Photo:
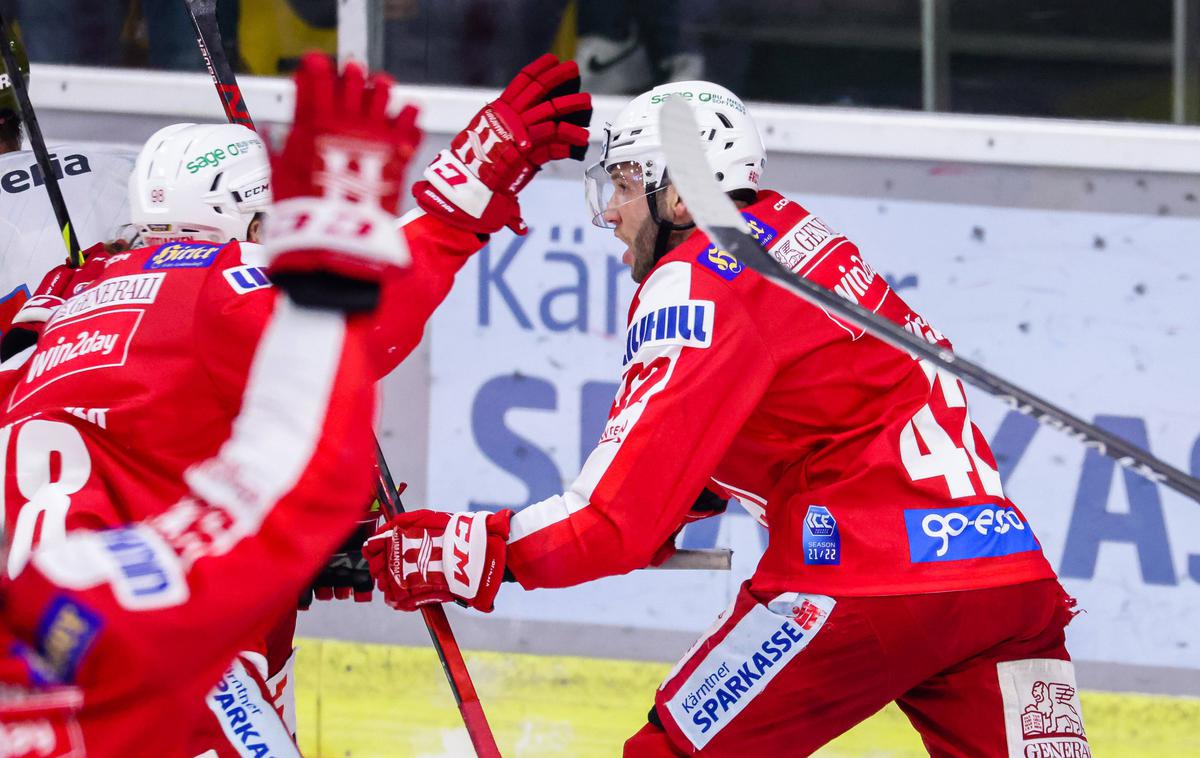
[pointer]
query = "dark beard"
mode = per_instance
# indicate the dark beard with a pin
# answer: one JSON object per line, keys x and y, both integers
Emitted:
{"x": 642, "y": 251}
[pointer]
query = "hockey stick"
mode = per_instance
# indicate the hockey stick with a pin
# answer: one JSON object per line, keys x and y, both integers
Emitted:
{"x": 204, "y": 19}
{"x": 74, "y": 254}
{"x": 208, "y": 38}
{"x": 720, "y": 219}
{"x": 442, "y": 635}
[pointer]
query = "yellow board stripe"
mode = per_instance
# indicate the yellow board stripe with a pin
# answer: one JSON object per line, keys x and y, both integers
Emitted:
{"x": 361, "y": 700}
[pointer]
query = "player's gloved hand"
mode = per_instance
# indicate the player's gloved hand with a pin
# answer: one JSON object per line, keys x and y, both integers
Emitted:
{"x": 331, "y": 238}
{"x": 707, "y": 505}
{"x": 57, "y": 286}
{"x": 540, "y": 117}
{"x": 433, "y": 557}
{"x": 346, "y": 574}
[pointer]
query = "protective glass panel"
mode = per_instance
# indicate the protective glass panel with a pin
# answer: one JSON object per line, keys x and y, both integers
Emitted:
{"x": 265, "y": 37}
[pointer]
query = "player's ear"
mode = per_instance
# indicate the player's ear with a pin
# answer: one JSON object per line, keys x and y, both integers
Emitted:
{"x": 679, "y": 210}
{"x": 254, "y": 231}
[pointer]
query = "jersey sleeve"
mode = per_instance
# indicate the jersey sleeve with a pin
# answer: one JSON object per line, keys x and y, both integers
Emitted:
{"x": 438, "y": 252}
{"x": 695, "y": 367}
{"x": 182, "y": 592}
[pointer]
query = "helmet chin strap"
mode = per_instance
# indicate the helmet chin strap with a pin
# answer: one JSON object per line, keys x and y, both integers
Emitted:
{"x": 664, "y": 227}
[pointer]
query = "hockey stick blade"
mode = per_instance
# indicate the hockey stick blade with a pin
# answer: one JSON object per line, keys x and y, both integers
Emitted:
{"x": 719, "y": 218}
{"x": 719, "y": 559}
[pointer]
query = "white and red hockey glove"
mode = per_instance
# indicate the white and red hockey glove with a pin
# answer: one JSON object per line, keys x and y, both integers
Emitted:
{"x": 332, "y": 237}
{"x": 540, "y": 117}
{"x": 434, "y": 557}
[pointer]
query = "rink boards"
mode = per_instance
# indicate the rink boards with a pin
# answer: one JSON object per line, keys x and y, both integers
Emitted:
{"x": 366, "y": 700}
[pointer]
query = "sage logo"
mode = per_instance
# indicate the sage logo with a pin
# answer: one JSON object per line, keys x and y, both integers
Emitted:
{"x": 976, "y": 531}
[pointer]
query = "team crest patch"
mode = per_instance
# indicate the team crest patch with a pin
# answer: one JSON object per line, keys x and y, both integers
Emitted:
{"x": 762, "y": 232}
{"x": 720, "y": 262}
{"x": 183, "y": 255}
{"x": 1041, "y": 708}
{"x": 65, "y": 634}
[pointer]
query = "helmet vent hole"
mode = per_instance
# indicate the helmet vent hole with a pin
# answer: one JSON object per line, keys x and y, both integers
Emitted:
{"x": 720, "y": 176}
{"x": 216, "y": 180}
{"x": 725, "y": 120}
{"x": 728, "y": 145}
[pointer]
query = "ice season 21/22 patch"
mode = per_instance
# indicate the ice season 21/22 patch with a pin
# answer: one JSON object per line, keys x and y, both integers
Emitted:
{"x": 822, "y": 543}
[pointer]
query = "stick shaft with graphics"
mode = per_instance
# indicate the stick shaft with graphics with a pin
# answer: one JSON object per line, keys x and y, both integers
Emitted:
{"x": 208, "y": 38}
{"x": 74, "y": 255}
{"x": 716, "y": 214}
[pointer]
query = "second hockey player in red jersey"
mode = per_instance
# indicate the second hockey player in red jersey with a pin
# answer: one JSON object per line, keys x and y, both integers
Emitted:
{"x": 143, "y": 357}
{"x": 896, "y": 569}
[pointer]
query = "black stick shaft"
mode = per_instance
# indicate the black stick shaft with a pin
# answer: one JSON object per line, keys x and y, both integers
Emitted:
{"x": 208, "y": 39}
{"x": 747, "y": 250}
{"x": 74, "y": 255}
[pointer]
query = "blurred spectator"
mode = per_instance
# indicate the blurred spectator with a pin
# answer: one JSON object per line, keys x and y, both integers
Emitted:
{"x": 628, "y": 46}
{"x": 273, "y": 34}
{"x": 83, "y": 32}
{"x": 466, "y": 42}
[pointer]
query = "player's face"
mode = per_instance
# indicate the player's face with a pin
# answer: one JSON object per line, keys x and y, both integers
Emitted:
{"x": 628, "y": 214}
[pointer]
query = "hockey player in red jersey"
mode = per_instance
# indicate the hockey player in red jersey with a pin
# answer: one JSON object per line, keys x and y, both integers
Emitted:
{"x": 896, "y": 569}
{"x": 139, "y": 373}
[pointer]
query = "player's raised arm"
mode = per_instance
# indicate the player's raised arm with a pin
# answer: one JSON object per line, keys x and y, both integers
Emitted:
{"x": 169, "y": 593}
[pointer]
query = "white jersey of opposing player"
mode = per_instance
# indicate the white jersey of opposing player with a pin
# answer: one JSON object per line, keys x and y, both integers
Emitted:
{"x": 94, "y": 181}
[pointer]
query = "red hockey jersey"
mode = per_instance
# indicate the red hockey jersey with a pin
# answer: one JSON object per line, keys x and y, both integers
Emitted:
{"x": 140, "y": 373}
{"x": 861, "y": 461}
{"x": 111, "y": 639}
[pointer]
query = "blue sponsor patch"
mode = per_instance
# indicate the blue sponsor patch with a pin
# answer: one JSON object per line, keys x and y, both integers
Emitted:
{"x": 958, "y": 534}
{"x": 64, "y": 636}
{"x": 245, "y": 279}
{"x": 689, "y": 324}
{"x": 183, "y": 255}
{"x": 143, "y": 574}
{"x": 762, "y": 232}
{"x": 821, "y": 542}
{"x": 722, "y": 263}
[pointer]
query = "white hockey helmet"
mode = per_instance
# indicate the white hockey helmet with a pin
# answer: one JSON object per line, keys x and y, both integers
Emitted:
{"x": 633, "y": 147}
{"x": 199, "y": 182}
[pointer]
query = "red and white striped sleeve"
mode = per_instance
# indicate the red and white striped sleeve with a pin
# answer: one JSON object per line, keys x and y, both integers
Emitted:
{"x": 695, "y": 367}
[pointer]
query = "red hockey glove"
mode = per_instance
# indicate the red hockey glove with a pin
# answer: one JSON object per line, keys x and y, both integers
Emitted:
{"x": 540, "y": 117}
{"x": 57, "y": 286}
{"x": 332, "y": 233}
{"x": 434, "y": 557}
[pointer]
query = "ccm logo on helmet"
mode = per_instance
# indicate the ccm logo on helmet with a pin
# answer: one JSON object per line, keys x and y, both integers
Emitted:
{"x": 214, "y": 157}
